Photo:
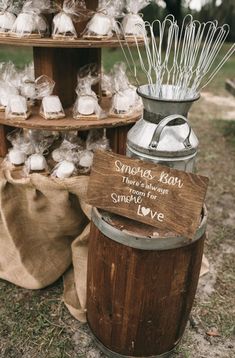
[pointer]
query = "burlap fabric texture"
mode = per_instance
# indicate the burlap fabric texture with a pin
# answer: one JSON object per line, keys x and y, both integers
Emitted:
{"x": 44, "y": 227}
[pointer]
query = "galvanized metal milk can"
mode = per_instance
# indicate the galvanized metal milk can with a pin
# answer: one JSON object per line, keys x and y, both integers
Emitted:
{"x": 164, "y": 134}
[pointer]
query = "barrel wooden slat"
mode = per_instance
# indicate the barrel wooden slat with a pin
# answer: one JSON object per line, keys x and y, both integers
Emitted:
{"x": 139, "y": 301}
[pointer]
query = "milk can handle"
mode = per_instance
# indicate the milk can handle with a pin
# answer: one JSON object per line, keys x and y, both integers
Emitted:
{"x": 158, "y": 131}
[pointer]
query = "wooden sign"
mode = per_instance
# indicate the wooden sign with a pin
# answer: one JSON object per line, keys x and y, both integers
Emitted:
{"x": 150, "y": 193}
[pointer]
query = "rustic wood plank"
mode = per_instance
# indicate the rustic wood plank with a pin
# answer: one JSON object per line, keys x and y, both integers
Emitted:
{"x": 77, "y": 43}
{"x": 3, "y": 141}
{"x": 62, "y": 66}
{"x": 92, "y": 4}
{"x": 139, "y": 301}
{"x": 154, "y": 194}
{"x": 60, "y": 60}
{"x": 68, "y": 123}
{"x": 117, "y": 138}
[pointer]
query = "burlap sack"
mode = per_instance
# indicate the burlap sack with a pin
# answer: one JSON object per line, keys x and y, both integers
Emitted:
{"x": 75, "y": 280}
{"x": 39, "y": 219}
{"x": 43, "y": 229}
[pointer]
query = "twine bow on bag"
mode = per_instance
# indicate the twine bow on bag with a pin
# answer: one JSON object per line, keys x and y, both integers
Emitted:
{"x": 7, "y": 16}
{"x": 86, "y": 103}
{"x": 51, "y": 106}
{"x": 30, "y": 22}
{"x": 72, "y": 12}
{"x": 103, "y": 24}
{"x": 133, "y": 22}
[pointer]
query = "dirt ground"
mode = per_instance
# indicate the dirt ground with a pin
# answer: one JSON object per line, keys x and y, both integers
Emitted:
{"x": 35, "y": 324}
{"x": 210, "y": 332}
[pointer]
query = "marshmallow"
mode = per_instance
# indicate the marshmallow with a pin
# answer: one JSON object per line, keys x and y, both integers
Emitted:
{"x": 86, "y": 159}
{"x": 65, "y": 169}
{"x": 100, "y": 24}
{"x": 25, "y": 23}
{"x": 37, "y": 162}
{"x": 40, "y": 24}
{"x": 5, "y": 92}
{"x": 17, "y": 104}
{"x": 63, "y": 24}
{"x": 51, "y": 104}
{"x": 28, "y": 90}
{"x": 133, "y": 24}
{"x": 131, "y": 94}
{"x": 29, "y": 24}
{"x": 7, "y": 20}
{"x": 17, "y": 157}
{"x": 86, "y": 105}
{"x": 57, "y": 155}
{"x": 121, "y": 103}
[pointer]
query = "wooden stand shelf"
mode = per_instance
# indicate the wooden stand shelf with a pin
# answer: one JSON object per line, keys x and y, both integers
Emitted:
{"x": 68, "y": 123}
{"x": 61, "y": 60}
{"x": 50, "y": 42}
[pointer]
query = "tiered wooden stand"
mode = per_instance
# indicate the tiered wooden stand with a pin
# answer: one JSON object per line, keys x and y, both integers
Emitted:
{"x": 60, "y": 60}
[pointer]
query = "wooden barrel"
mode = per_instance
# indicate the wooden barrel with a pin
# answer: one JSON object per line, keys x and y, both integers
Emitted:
{"x": 141, "y": 285}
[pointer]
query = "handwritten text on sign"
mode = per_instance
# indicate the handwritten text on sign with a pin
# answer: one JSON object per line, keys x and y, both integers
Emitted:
{"x": 154, "y": 194}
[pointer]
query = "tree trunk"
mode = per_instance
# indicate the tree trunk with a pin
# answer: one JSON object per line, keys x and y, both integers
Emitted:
{"x": 174, "y": 7}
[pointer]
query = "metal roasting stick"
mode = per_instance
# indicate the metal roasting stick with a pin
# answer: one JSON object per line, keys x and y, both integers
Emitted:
{"x": 220, "y": 65}
{"x": 127, "y": 53}
{"x": 180, "y": 61}
{"x": 204, "y": 67}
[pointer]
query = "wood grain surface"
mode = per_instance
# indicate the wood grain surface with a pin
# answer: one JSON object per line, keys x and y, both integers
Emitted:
{"x": 138, "y": 302}
{"x": 68, "y": 123}
{"x": 78, "y": 43}
{"x": 60, "y": 60}
{"x": 154, "y": 194}
{"x": 62, "y": 66}
{"x": 117, "y": 137}
{"x": 4, "y": 144}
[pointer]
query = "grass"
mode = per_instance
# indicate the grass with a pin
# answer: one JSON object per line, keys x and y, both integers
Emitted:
{"x": 228, "y": 130}
{"x": 217, "y": 311}
{"x": 34, "y": 322}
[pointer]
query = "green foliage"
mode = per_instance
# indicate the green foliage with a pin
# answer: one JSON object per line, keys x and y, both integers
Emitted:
{"x": 18, "y": 55}
{"x": 224, "y": 13}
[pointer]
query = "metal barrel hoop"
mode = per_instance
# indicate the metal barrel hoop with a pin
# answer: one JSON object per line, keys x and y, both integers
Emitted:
{"x": 141, "y": 242}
